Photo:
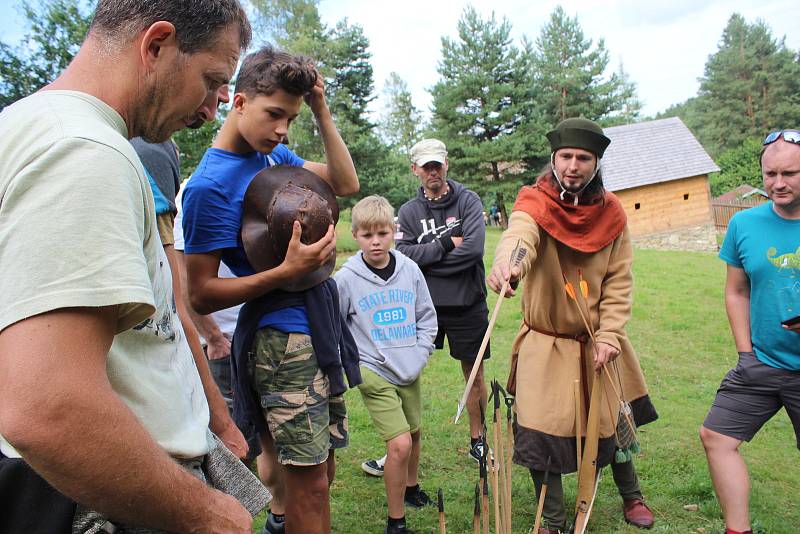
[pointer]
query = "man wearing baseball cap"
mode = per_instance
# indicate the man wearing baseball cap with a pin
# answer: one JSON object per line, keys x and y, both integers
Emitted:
{"x": 570, "y": 224}
{"x": 442, "y": 230}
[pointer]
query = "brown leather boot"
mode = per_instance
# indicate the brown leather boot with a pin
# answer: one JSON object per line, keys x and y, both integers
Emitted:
{"x": 637, "y": 513}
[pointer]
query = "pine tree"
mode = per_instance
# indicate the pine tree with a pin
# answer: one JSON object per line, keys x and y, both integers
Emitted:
{"x": 482, "y": 103}
{"x": 751, "y": 85}
{"x": 401, "y": 122}
{"x": 352, "y": 82}
{"x": 569, "y": 76}
{"x": 628, "y": 104}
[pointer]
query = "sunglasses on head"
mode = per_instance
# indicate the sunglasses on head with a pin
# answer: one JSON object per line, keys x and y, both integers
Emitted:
{"x": 790, "y": 136}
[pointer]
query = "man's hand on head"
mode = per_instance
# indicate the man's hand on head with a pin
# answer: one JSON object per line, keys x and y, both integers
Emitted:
{"x": 316, "y": 97}
{"x": 302, "y": 259}
{"x": 499, "y": 274}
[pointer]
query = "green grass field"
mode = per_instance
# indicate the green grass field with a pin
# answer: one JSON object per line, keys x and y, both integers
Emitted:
{"x": 681, "y": 334}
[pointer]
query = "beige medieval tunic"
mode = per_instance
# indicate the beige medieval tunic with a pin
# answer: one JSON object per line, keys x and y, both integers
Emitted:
{"x": 550, "y": 357}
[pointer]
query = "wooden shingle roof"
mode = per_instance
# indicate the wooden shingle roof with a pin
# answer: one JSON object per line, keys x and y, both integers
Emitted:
{"x": 653, "y": 152}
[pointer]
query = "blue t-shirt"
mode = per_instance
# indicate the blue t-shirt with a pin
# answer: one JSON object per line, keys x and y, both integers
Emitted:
{"x": 212, "y": 216}
{"x": 767, "y": 247}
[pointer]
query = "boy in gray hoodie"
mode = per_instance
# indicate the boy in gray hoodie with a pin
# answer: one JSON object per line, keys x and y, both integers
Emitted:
{"x": 387, "y": 306}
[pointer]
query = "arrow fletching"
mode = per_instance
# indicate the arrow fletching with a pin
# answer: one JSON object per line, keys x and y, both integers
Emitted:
{"x": 584, "y": 285}
{"x": 570, "y": 290}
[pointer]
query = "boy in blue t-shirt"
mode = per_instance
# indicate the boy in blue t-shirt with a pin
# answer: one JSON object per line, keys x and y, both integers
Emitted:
{"x": 387, "y": 306}
{"x": 270, "y": 90}
{"x": 762, "y": 292}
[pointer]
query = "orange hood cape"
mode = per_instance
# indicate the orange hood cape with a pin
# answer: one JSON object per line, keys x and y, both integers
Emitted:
{"x": 588, "y": 227}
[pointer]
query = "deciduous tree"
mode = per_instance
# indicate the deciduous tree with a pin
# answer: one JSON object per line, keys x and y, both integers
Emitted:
{"x": 738, "y": 166}
{"x": 55, "y": 31}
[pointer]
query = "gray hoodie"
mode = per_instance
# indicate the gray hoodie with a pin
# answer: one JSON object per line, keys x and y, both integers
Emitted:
{"x": 392, "y": 321}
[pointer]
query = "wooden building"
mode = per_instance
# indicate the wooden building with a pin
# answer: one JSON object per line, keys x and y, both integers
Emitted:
{"x": 659, "y": 171}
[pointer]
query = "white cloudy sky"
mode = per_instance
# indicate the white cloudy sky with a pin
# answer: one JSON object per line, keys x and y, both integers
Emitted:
{"x": 662, "y": 44}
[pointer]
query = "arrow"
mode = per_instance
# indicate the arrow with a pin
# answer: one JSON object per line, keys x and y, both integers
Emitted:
{"x": 442, "y": 522}
{"x": 516, "y": 257}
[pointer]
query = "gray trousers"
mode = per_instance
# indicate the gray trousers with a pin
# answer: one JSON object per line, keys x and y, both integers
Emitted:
{"x": 554, "y": 513}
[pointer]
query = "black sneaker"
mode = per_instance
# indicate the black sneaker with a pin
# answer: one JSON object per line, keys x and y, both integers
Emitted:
{"x": 402, "y": 529}
{"x": 416, "y": 498}
{"x": 274, "y": 527}
{"x": 476, "y": 451}
{"x": 374, "y": 467}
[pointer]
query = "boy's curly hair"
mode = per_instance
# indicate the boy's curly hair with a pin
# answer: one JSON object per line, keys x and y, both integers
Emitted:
{"x": 267, "y": 70}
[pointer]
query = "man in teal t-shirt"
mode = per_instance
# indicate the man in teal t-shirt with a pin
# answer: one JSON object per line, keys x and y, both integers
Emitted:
{"x": 762, "y": 295}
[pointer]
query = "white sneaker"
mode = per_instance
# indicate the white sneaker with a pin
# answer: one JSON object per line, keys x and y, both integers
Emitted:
{"x": 374, "y": 467}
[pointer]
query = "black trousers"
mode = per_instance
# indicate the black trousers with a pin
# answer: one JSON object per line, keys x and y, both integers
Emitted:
{"x": 29, "y": 504}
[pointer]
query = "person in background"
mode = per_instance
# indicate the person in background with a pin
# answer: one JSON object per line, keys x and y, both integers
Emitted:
{"x": 386, "y": 303}
{"x": 762, "y": 298}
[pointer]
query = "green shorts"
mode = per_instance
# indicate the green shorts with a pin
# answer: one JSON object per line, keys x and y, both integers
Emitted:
{"x": 394, "y": 409}
{"x": 304, "y": 421}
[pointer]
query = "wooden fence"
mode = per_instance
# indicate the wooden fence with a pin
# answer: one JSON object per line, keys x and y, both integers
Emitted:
{"x": 723, "y": 211}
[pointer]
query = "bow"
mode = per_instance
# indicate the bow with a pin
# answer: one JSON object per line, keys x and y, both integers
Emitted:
{"x": 588, "y": 475}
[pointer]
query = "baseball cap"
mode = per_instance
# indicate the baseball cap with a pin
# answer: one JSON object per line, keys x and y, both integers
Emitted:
{"x": 428, "y": 150}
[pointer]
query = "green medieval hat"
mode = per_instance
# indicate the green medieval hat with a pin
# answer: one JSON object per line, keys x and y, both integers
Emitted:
{"x": 579, "y": 133}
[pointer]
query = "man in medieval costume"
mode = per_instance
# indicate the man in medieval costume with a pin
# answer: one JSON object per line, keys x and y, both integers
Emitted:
{"x": 568, "y": 223}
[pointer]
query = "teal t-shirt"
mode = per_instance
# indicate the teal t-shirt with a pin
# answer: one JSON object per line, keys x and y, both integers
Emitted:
{"x": 161, "y": 202}
{"x": 767, "y": 247}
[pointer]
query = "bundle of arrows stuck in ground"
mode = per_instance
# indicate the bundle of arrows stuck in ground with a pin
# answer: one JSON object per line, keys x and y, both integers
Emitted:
{"x": 494, "y": 468}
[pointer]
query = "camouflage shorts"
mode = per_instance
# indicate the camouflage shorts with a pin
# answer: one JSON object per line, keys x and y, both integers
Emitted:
{"x": 304, "y": 421}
